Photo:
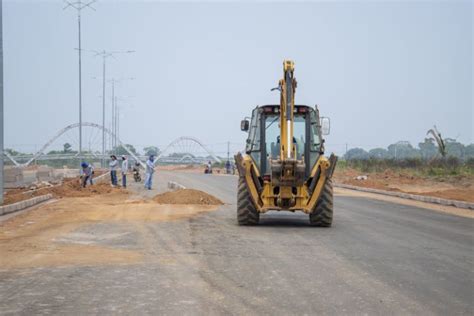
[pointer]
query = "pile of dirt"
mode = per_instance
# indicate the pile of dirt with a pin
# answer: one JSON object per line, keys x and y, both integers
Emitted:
{"x": 187, "y": 196}
{"x": 69, "y": 188}
{"x": 73, "y": 188}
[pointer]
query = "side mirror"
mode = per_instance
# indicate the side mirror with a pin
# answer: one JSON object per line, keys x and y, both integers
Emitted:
{"x": 325, "y": 123}
{"x": 244, "y": 125}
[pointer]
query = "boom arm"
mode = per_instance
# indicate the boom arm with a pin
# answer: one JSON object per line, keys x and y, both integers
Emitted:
{"x": 287, "y": 104}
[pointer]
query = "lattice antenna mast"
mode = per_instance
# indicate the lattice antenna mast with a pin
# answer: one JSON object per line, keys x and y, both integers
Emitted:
{"x": 79, "y": 6}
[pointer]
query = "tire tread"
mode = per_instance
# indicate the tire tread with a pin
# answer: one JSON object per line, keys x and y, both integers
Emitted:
{"x": 322, "y": 215}
{"x": 247, "y": 213}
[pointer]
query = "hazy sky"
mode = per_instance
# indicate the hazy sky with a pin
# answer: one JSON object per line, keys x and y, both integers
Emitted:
{"x": 383, "y": 71}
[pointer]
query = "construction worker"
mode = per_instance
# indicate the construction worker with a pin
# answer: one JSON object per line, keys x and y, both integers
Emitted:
{"x": 113, "y": 170}
{"x": 227, "y": 167}
{"x": 150, "y": 169}
{"x": 86, "y": 173}
{"x": 124, "y": 171}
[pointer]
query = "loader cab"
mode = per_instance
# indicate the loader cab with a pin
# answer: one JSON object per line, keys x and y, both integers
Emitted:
{"x": 263, "y": 142}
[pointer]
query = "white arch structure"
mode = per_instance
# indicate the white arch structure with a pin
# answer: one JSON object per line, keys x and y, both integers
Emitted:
{"x": 66, "y": 129}
{"x": 187, "y": 138}
{"x": 100, "y": 127}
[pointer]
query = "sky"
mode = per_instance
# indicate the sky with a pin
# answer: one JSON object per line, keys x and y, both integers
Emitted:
{"x": 382, "y": 71}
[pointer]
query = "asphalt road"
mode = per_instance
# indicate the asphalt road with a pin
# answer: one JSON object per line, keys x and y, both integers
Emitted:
{"x": 378, "y": 258}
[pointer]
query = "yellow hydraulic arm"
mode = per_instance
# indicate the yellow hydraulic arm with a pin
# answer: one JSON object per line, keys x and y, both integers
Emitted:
{"x": 287, "y": 87}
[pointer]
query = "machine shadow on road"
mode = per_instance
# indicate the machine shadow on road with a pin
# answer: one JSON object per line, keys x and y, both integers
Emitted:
{"x": 284, "y": 220}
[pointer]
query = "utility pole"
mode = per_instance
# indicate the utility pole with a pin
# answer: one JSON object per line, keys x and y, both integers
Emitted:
{"x": 118, "y": 120}
{"x": 115, "y": 122}
{"x": 106, "y": 54}
{"x": 1, "y": 102}
{"x": 228, "y": 151}
{"x": 115, "y": 109}
{"x": 79, "y": 5}
{"x": 112, "y": 140}
{"x": 104, "y": 57}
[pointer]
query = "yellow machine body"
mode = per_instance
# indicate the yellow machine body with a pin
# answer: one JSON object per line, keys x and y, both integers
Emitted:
{"x": 292, "y": 177}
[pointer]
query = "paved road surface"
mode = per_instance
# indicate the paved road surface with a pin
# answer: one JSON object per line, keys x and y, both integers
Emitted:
{"x": 378, "y": 258}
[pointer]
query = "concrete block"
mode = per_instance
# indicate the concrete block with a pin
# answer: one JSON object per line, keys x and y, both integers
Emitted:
{"x": 175, "y": 186}
{"x": 7, "y": 209}
{"x": 12, "y": 175}
{"x": 44, "y": 173}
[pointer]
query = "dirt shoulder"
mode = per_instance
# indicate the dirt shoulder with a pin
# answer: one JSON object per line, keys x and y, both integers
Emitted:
{"x": 452, "y": 210}
{"x": 68, "y": 188}
{"x": 77, "y": 230}
{"x": 459, "y": 188}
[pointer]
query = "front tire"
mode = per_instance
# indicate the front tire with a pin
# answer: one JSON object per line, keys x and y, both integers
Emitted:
{"x": 247, "y": 213}
{"x": 323, "y": 212}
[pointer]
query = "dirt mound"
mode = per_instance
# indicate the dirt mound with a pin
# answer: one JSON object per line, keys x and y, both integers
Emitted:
{"x": 73, "y": 188}
{"x": 69, "y": 188}
{"x": 187, "y": 196}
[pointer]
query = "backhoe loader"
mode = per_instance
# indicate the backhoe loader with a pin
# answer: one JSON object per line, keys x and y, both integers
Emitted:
{"x": 284, "y": 167}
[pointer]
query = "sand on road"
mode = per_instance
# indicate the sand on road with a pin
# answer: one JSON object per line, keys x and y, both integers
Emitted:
{"x": 42, "y": 236}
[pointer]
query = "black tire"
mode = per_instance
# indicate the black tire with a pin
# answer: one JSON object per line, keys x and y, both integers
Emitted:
{"x": 322, "y": 214}
{"x": 247, "y": 213}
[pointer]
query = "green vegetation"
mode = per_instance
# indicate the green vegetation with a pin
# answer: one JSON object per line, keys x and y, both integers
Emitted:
{"x": 426, "y": 150}
{"x": 437, "y": 168}
{"x": 428, "y": 160}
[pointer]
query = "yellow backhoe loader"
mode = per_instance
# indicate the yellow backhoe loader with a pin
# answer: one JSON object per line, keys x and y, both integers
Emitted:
{"x": 284, "y": 167}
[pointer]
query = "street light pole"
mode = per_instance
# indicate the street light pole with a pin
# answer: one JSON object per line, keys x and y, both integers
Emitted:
{"x": 115, "y": 110}
{"x": 1, "y": 102}
{"x": 105, "y": 54}
{"x": 113, "y": 115}
{"x": 79, "y": 5}
{"x": 103, "y": 109}
{"x": 80, "y": 83}
{"x": 118, "y": 119}
{"x": 115, "y": 121}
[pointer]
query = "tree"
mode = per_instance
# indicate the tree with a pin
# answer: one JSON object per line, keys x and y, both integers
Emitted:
{"x": 12, "y": 152}
{"x": 181, "y": 155}
{"x": 120, "y": 151}
{"x": 469, "y": 151}
{"x": 378, "y": 153}
{"x": 356, "y": 153}
{"x": 151, "y": 150}
{"x": 454, "y": 148}
{"x": 403, "y": 150}
{"x": 428, "y": 149}
{"x": 439, "y": 139}
{"x": 67, "y": 148}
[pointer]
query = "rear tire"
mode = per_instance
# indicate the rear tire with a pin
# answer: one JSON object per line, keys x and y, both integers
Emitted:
{"x": 323, "y": 212}
{"x": 247, "y": 213}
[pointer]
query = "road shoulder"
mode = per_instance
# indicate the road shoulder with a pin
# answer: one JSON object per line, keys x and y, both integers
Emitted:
{"x": 430, "y": 206}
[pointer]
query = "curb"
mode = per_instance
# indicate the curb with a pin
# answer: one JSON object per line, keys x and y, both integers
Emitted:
{"x": 18, "y": 206}
{"x": 175, "y": 186}
{"x": 101, "y": 178}
{"x": 421, "y": 198}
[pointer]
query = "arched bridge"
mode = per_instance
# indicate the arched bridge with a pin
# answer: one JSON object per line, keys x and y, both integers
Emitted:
{"x": 185, "y": 149}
